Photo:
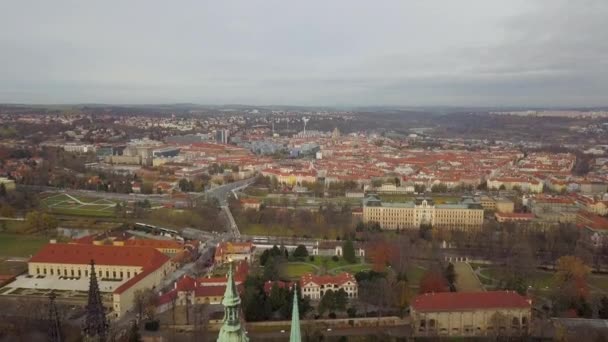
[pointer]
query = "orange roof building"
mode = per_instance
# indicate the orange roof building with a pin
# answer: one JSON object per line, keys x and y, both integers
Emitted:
{"x": 473, "y": 314}
{"x": 121, "y": 270}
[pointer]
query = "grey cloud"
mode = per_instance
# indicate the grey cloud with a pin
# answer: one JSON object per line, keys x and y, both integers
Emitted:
{"x": 482, "y": 52}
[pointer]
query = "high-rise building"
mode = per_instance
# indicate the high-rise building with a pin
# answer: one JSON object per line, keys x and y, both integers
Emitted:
{"x": 221, "y": 136}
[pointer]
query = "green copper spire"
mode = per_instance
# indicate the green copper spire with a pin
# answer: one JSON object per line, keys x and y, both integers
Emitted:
{"x": 231, "y": 330}
{"x": 295, "y": 335}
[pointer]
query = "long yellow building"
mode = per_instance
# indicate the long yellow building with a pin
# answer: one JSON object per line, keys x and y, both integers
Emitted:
{"x": 422, "y": 211}
{"x": 121, "y": 270}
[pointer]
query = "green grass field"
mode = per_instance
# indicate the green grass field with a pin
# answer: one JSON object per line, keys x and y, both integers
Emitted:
{"x": 14, "y": 245}
{"x": 353, "y": 269}
{"x": 414, "y": 274}
{"x": 599, "y": 281}
{"x": 64, "y": 204}
{"x": 296, "y": 270}
{"x": 539, "y": 279}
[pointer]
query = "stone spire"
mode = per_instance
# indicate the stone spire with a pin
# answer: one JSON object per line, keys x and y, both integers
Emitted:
{"x": 295, "y": 335}
{"x": 55, "y": 332}
{"x": 231, "y": 330}
{"x": 95, "y": 323}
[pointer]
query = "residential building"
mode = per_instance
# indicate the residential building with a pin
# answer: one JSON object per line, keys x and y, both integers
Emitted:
{"x": 205, "y": 290}
{"x": 594, "y": 228}
{"x": 526, "y": 184}
{"x": 233, "y": 251}
{"x": 514, "y": 217}
{"x": 314, "y": 287}
{"x": 222, "y": 136}
{"x": 490, "y": 314}
{"x": 251, "y": 203}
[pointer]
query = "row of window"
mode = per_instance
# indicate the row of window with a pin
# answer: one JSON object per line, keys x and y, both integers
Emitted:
{"x": 78, "y": 273}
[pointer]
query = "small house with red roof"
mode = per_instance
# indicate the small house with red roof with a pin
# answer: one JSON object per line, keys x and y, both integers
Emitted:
{"x": 491, "y": 313}
{"x": 204, "y": 290}
{"x": 251, "y": 203}
{"x": 233, "y": 251}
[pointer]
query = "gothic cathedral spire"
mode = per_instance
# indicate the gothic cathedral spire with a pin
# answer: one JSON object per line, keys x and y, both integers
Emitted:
{"x": 231, "y": 330}
{"x": 95, "y": 324}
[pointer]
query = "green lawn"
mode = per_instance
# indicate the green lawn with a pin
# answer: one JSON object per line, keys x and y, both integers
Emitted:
{"x": 599, "y": 281}
{"x": 63, "y": 204}
{"x": 328, "y": 263}
{"x": 539, "y": 279}
{"x": 353, "y": 269}
{"x": 414, "y": 274}
{"x": 14, "y": 245}
{"x": 296, "y": 270}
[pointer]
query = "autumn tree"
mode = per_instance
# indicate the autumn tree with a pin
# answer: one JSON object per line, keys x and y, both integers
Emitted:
{"x": 433, "y": 281}
{"x": 381, "y": 253}
{"x": 572, "y": 274}
{"x": 571, "y": 287}
{"x": 36, "y": 221}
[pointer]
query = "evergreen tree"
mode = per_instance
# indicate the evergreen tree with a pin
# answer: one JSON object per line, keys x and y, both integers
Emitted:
{"x": 55, "y": 331}
{"x": 450, "y": 276}
{"x": 300, "y": 252}
{"x": 278, "y": 297}
{"x": 348, "y": 250}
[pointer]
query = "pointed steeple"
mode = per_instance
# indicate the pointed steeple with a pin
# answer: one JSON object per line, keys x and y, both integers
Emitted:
{"x": 231, "y": 330}
{"x": 295, "y": 335}
{"x": 95, "y": 323}
{"x": 55, "y": 332}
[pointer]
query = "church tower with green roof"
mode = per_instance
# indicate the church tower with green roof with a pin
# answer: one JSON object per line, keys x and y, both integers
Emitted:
{"x": 295, "y": 335}
{"x": 231, "y": 330}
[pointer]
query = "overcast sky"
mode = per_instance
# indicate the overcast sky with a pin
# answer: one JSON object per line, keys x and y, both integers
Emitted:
{"x": 313, "y": 52}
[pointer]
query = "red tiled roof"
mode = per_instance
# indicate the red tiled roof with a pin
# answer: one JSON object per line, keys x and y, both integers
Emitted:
{"x": 185, "y": 283}
{"x": 327, "y": 279}
{"x": 451, "y": 301}
{"x": 103, "y": 255}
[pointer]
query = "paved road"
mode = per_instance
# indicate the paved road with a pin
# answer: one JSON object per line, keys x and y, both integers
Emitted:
{"x": 466, "y": 279}
{"x": 222, "y": 192}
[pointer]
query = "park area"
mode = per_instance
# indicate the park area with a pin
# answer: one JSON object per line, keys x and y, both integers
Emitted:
{"x": 66, "y": 204}
{"x": 321, "y": 265}
{"x": 541, "y": 280}
{"x": 16, "y": 245}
